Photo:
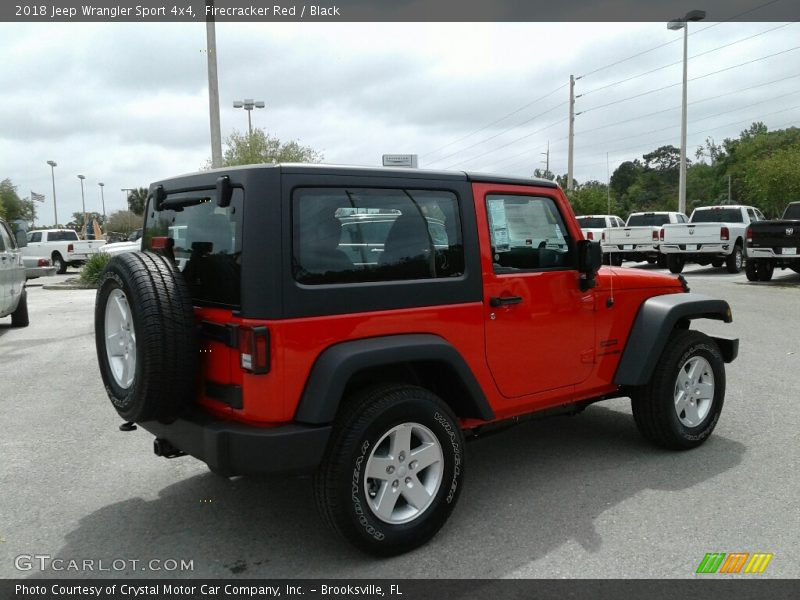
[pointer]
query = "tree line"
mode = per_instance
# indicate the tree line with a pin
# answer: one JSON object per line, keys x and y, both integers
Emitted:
{"x": 759, "y": 168}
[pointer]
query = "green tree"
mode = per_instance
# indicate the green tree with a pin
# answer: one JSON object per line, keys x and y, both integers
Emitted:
{"x": 590, "y": 198}
{"x": 124, "y": 222}
{"x": 137, "y": 198}
{"x": 260, "y": 147}
{"x": 15, "y": 208}
{"x": 774, "y": 180}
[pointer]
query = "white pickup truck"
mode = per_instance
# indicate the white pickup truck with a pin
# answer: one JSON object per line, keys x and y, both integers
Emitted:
{"x": 714, "y": 235}
{"x": 61, "y": 246}
{"x": 638, "y": 239}
{"x": 594, "y": 226}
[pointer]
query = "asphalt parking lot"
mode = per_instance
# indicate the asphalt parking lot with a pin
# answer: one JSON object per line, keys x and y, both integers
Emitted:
{"x": 581, "y": 497}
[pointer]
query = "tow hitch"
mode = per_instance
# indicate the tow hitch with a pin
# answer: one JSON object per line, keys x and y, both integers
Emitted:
{"x": 164, "y": 448}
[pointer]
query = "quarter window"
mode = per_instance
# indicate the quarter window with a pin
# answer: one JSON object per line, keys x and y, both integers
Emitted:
{"x": 351, "y": 235}
{"x": 527, "y": 233}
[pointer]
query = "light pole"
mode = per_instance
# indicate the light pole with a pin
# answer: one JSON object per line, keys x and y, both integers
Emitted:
{"x": 53, "y": 164}
{"x": 83, "y": 204}
{"x": 103, "y": 200}
{"x": 248, "y": 104}
{"x": 128, "y": 191}
{"x": 674, "y": 25}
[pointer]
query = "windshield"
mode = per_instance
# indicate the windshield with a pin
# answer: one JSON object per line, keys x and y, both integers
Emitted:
{"x": 717, "y": 215}
{"x": 592, "y": 222}
{"x": 648, "y": 219}
{"x": 205, "y": 242}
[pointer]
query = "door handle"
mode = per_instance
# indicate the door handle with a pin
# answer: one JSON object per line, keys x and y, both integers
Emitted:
{"x": 504, "y": 300}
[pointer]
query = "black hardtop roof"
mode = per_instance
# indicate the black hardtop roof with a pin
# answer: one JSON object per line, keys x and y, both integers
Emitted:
{"x": 359, "y": 171}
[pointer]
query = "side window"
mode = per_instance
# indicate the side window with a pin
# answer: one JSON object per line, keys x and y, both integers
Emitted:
{"x": 751, "y": 215}
{"x": 36, "y": 236}
{"x": 681, "y": 219}
{"x": 527, "y": 232}
{"x": 352, "y": 235}
{"x": 760, "y": 215}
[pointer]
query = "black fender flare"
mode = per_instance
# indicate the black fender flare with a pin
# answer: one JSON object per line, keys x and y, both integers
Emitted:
{"x": 336, "y": 365}
{"x": 654, "y": 322}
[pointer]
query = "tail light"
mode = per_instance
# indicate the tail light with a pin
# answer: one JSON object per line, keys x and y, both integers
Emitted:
{"x": 254, "y": 354}
{"x": 603, "y": 236}
{"x": 43, "y": 262}
{"x": 749, "y": 235}
{"x": 661, "y": 235}
{"x": 70, "y": 248}
{"x": 589, "y": 235}
{"x": 724, "y": 234}
{"x": 655, "y": 235}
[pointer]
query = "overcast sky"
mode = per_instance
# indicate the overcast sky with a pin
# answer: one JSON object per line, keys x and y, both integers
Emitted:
{"x": 127, "y": 103}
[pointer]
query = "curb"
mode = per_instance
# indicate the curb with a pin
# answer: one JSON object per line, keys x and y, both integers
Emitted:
{"x": 69, "y": 285}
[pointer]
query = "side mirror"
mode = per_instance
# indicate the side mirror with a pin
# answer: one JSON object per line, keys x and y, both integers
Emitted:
{"x": 590, "y": 259}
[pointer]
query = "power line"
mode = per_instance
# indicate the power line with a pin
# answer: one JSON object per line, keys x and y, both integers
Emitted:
{"x": 664, "y": 140}
{"x": 547, "y": 95}
{"x": 468, "y": 160}
{"x": 625, "y": 121}
{"x": 479, "y": 142}
{"x": 691, "y": 79}
{"x": 554, "y": 143}
{"x": 631, "y": 78}
{"x": 677, "y": 39}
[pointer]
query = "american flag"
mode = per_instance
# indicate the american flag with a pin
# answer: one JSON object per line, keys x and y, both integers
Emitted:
{"x": 37, "y": 197}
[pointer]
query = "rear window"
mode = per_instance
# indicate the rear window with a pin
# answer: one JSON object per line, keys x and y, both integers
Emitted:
{"x": 647, "y": 220}
{"x": 62, "y": 236}
{"x": 792, "y": 212}
{"x": 717, "y": 215}
{"x": 351, "y": 235}
{"x": 205, "y": 242}
{"x": 592, "y": 222}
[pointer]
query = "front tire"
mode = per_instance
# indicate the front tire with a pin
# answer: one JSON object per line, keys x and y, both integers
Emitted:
{"x": 393, "y": 469}
{"x": 675, "y": 263}
{"x": 680, "y": 406}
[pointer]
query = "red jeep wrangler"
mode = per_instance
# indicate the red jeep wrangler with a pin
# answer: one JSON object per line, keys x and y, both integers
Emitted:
{"x": 355, "y": 322}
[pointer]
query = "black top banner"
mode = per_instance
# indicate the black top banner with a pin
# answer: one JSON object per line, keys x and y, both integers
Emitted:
{"x": 397, "y": 10}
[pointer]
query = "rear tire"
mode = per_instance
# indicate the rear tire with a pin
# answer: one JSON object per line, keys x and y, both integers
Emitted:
{"x": 733, "y": 264}
{"x": 675, "y": 263}
{"x": 765, "y": 269}
{"x": 615, "y": 259}
{"x": 717, "y": 262}
{"x": 680, "y": 406}
{"x": 19, "y": 318}
{"x": 661, "y": 261}
{"x": 145, "y": 337}
{"x": 393, "y": 469}
{"x": 59, "y": 263}
{"x": 751, "y": 270}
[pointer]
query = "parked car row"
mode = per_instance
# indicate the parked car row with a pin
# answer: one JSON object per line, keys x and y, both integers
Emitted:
{"x": 722, "y": 236}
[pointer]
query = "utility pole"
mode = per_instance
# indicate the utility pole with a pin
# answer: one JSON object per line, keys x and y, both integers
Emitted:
{"x": 729, "y": 188}
{"x": 213, "y": 87}
{"x": 608, "y": 185}
{"x": 53, "y": 164}
{"x": 547, "y": 160}
{"x": 571, "y": 130}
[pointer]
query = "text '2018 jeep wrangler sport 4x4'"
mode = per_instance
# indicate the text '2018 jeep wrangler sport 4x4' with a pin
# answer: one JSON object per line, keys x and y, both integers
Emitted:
{"x": 354, "y": 322}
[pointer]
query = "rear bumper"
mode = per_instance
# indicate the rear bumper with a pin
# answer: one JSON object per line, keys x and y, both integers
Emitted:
{"x": 631, "y": 248}
{"x": 701, "y": 248}
{"x": 231, "y": 448}
{"x": 770, "y": 253}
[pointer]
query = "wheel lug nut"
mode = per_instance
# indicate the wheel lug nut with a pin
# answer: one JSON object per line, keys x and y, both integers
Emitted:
{"x": 402, "y": 457}
{"x": 412, "y": 465}
{"x": 390, "y": 469}
{"x": 408, "y": 480}
{"x": 395, "y": 483}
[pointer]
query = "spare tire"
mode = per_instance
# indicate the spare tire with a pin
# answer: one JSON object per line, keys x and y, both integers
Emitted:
{"x": 145, "y": 337}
